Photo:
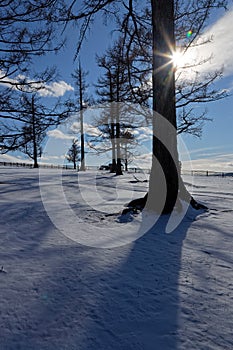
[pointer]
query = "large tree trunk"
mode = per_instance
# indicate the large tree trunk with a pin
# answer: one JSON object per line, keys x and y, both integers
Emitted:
{"x": 166, "y": 187}
{"x": 164, "y": 179}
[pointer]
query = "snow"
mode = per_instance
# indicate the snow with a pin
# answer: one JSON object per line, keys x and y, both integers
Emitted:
{"x": 158, "y": 291}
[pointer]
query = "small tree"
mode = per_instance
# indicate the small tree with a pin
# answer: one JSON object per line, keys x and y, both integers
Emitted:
{"x": 128, "y": 143}
{"x": 73, "y": 155}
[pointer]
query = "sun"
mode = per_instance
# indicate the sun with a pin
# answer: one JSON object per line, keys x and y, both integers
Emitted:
{"x": 183, "y": 58}
{"x": 179, "y": 60}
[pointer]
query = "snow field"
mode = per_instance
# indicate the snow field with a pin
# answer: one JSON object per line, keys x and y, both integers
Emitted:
{"x": 160, "y": 291}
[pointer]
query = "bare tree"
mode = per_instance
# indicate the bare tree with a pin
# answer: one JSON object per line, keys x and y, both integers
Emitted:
{"x": 128, "y": 144}
{"x": 33, "y": 132}
{"x": 73, "y": 154}
{"x": 26, "y": 121}
{"x": 26, "y": 31}
{"x": 79, "y": 76}
{"x": 105, "y": 141}
{"x": 113, "y": 87}
{"x": 105, "y": 89}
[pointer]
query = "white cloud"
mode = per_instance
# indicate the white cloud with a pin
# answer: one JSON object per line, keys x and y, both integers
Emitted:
{"x": 88, "y": 129}
{"x": 205, "y": 151}
{"x": 13, "y": 159}
{"x": 145, "y": 130}
{"x": 58, "y": 134}
{"x": 221, "y": 163}
{"x": 55, "y": 89}
{"x": 142, "y": 133}
{"x": 143, "y": 161}
{"x": 220, "y": 48}
{"x": 50, "y": 158}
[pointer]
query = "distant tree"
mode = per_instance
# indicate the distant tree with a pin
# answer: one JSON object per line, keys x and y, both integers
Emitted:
{"x": 26, "y": 121}
{"x": 115, "y": 90}
{"x": 105, "y": 92}
{"x": 73, "y": 155}
{"x": 79, "y": 76}
{"x": 113, "y": 87}
{"x": 105, "y": 141}
{"x": 33, "y": 138}
{"x": 128, "y": 143}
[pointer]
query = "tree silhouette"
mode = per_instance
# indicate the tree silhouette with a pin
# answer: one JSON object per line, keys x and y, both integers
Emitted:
{"x": 79, "y": 76}
{"x": 73, "y": 155}
{"x": 27, "y": 120}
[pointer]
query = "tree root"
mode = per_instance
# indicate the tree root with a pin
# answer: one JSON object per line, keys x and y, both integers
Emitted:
{"x": 139, "y": 204}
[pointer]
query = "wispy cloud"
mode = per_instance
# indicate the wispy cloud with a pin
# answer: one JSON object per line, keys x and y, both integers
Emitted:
{"x": 207, "y": 151}
{"x": 53, "y": 89}
{"x": 58, "y": 134}
{"x": 89, "y": 129}
{"x": 143, "y": 161}
{"x": 219, "y": 48}
{"x": 13, "y": 159}
{"x": 221, "y": 45}
{"x": 221, "y": 163}
{"x": 52, "y": 159}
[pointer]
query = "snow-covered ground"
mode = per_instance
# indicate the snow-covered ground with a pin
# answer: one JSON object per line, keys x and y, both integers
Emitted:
{"x": 157, "y": 292}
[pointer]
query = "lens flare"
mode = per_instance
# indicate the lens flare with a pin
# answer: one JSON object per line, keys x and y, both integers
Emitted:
{"x": 178, "y": 59}
{"x": 189, "y": 34}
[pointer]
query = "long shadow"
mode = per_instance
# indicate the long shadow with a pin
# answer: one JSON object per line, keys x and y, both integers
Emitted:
{"x": 84, "y": 298}
{"x": 79, "y": 298}
{"x": 143, "y": 297}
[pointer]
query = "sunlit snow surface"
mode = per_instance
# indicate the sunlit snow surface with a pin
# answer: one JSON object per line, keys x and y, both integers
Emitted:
{"x": 160, "y": 291}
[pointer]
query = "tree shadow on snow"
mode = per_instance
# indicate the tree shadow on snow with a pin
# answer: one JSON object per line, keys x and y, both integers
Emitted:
{"x": 120, "y": 299}
{"x": 139, "y": 308}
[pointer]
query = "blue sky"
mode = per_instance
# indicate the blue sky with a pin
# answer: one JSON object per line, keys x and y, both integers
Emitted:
{"x": 214, "y": 150}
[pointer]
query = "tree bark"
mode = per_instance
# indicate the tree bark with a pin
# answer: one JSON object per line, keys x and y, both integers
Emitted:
{"x": 35, "y": 153}
{"x": 164, "y": 178}
{"x": 82, "y": 164}
{"x": 118, "y": 129}
{"x": 166, "y": 187}
{"x": 113, "y": 166}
